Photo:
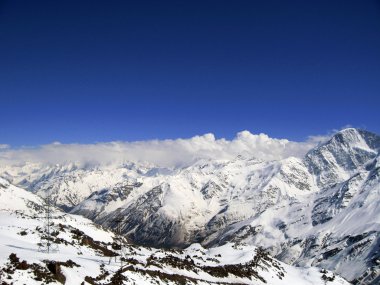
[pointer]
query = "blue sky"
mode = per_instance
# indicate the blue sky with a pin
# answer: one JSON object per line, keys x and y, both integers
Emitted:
{"x": 90, "y": 71}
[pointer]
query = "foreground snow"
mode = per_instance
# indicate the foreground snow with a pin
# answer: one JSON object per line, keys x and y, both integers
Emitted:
{"x": 227, "y": 264}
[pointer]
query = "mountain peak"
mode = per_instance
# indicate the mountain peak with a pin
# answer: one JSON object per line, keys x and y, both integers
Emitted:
{"x": 338, "y": 158}
{"x": 359, "y": 138}
{"x": 347, "y": 136}
{"x": 349, "y": 133}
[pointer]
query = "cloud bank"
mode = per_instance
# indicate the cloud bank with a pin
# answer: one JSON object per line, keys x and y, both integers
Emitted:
{"x": 164, "y": 153}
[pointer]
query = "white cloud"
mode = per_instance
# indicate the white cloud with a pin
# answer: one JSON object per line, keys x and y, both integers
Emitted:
{"x": 4, "y": 146}
{"x": 165, "y": 153}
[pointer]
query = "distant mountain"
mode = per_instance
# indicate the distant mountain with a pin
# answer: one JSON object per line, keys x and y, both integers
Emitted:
{"x": 320, "y": 210}
{"x": 70, "y": 184}
{"x": 87, "y": 254}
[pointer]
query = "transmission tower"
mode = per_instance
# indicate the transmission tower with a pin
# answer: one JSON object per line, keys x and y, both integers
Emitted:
{"x": 119, "y": 240}
{"x": 46, "y": 243}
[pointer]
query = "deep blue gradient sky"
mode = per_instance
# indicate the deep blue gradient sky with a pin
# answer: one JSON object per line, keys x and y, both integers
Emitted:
{"x": 88, "y": 71}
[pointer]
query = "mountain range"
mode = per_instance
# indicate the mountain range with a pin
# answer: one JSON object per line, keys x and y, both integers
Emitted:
{"x": 320, "y": 210}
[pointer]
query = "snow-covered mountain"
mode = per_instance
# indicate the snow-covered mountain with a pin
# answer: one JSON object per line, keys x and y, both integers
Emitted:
{"x": 87, "y": 254}
{"x": 70, "y": 184}
{"x": 320, "y": 210}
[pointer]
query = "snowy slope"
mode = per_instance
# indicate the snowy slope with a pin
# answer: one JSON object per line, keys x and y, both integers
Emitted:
{"x": 12, "y": 199}
{"x": 85, "y": 251}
